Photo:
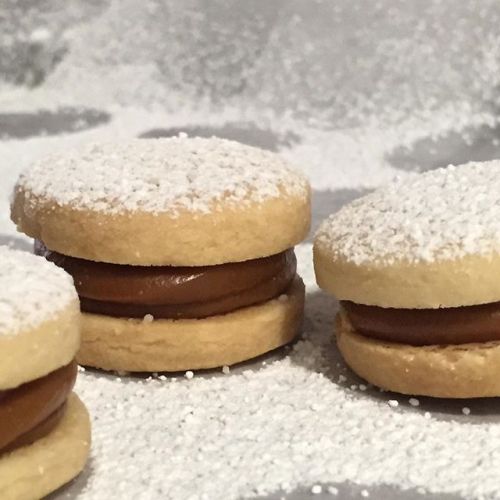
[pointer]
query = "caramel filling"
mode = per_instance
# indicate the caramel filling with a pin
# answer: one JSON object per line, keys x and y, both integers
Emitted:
{"x": 38, "y": 432}
{"x": 175, "y": 292}
{"x": 418, "y": 327}
{"x": 32, "y": 410}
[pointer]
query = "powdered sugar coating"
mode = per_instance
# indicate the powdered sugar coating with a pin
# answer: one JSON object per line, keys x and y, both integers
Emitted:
{"x": 440, "y": 215}
{"x": 163, "y": 175}
{"x": 32, "y": 290}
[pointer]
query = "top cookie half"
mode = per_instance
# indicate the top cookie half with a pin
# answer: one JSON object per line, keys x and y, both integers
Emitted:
{"x": 178, "y": 201}
{"x": 426, "y": 242}
{"x": 39, "y": 318}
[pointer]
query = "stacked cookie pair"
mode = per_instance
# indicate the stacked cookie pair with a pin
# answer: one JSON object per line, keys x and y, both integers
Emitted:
{"x": 415, "y": 267}
{"x": 45, "y": 428}
{"x": 181, "y": 249}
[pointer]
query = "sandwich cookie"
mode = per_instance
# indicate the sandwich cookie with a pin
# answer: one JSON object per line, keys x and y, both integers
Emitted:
{"x": 181, "y": 249}
{"x": 44, "y": 427}
{"x": 415, "y": 267}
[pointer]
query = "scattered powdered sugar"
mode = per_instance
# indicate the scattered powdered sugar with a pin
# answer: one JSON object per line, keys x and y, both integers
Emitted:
{"x": 439, "y": 215}
{"x": 157, "y": 175}
{"x": 32, "y": 290}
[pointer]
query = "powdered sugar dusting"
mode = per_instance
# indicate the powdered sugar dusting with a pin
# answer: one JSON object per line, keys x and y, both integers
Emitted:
{"x": 439, "y": 215}
{"x": 32, "y": 291}
{"x": 157, "y": 175}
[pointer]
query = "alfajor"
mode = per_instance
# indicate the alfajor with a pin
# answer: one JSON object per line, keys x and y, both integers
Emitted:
{"x": 44, "y": 427}
{"x": 415, "y": 267}
{"x": 181, "y": 248}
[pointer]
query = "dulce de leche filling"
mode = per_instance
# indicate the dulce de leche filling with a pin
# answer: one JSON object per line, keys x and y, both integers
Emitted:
{"x": 32, "y": 410}
{"x": 454, "y": 325}
{"x": 175, "y": 292}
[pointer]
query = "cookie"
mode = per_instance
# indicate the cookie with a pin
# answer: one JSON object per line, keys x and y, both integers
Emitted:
{"x": 173, "y": 236}
{"x": 45, "y": 431}
{"x": 414, "y": 266}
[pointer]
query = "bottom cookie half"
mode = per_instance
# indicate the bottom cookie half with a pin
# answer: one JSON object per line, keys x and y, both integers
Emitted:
{"x": 445, "y": 371}
{"x": 189, "y": 344}
{"x": 34, "y": 471}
